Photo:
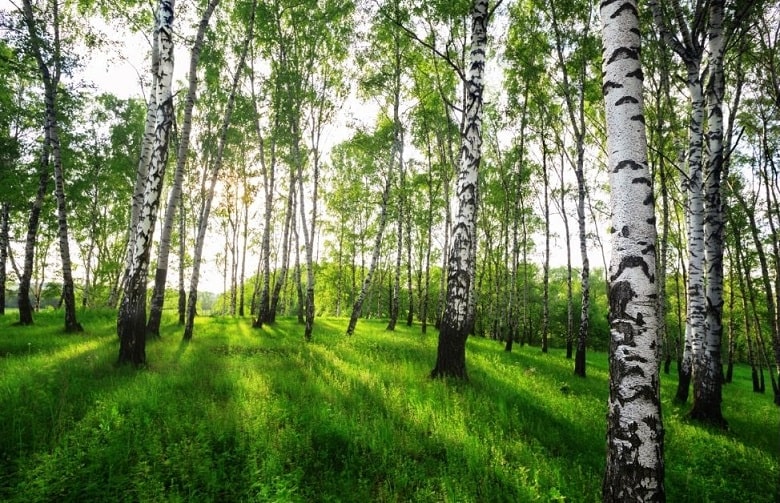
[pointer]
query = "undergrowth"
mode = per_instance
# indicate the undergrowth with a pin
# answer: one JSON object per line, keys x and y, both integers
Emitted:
{"x": 240, "y": 414}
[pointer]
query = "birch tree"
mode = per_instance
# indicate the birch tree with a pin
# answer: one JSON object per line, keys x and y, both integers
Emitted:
{"x": 163, "y": 251}
{"x": 51, "y": 72}
{"x": 131, "y": 322}
{"x": 455, "y": 324}
{"x": 212, "y": 176}
{"x": 634, "y": 469}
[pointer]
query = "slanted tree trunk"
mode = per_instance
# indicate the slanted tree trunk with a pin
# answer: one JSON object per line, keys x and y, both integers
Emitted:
{"x": 455, "y": 323}
{"x": 131, "y": 322}
{"x": 163, "y": 251}
{"x": 142, "y": 173}
{"x": 357, "y": 307}
{"x": 192, "y": 302}
{"x": 635, "y": 464}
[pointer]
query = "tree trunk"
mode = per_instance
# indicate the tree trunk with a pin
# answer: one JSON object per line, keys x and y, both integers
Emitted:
{"x": 182, "y": 304}
{"x": 24, "y": 302}
{"x": 635, "y": 465}
{"x": 357, "y": 307}
{"x": 206, "y": 207}
{"x": 451, "y": 353}
{"x": 141, "y": 173}
{"x": 708, "y": 373}
{"x": 131, "y": 322}
{"x": 286, "y": 238}
{"x": 4, "y": 215}
{"x": 546, "y": 265}
{"x": 163, "y": 251}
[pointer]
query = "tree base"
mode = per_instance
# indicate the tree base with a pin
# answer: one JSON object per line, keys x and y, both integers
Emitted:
{"x": 709, "y": 415}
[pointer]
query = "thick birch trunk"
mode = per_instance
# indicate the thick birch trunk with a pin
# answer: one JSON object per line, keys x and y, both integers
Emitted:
{"x": 131, "y": 322}
{"x": 163, "y": 251}
{"x": 451, "y": 353}
{"x": 708, "y": 373}
{"x": 635, "y": 466}
{"x": 147, "y": 145}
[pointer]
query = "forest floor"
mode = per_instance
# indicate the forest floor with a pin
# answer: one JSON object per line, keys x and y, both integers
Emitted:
{"x": 240, "y": 414}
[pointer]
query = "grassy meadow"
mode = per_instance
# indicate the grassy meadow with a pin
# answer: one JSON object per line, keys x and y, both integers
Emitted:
{"x": 241, "y": 414}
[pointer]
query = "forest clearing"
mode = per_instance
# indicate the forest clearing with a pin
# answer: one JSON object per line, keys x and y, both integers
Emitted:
{"x": 240, "y": 414}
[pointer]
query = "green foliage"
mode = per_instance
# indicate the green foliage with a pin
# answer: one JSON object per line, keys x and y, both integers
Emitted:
{"x": 246, "y": 415}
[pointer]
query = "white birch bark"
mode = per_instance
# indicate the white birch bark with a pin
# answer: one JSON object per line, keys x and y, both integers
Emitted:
{"x": 689, "y": 50}
{"x": 451, "y": 353}
{"x": 707, "y": 373}
{"x": 147, "y": 144}
{"x": 163, "y": 251}
{"x": 634, "y": 468}
{"x": 131, "y": 323}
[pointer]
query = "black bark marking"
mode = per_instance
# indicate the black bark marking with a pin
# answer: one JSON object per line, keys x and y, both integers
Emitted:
{"x": 626, "y": 99}
{"x": 610, "y": 85}
{"x": 630, "y": 262}
{"x": 638, "y": 117}
{"x": 651, "y": 220}
{"x": 627, "y": 330}
{"x": 625, "y": 231}
{"x": 625, "y": 7}
{"x": 642, "y": 180}
{"x": 649, "y": 199}
{"x": 628, "y": 163}
{"x": 620, "y": 294}
{"x": 622, "y": 53}
{"x": 636, "y": 74}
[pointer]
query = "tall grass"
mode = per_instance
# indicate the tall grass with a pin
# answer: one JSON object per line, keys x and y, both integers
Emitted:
{"x": 257, "y": 415}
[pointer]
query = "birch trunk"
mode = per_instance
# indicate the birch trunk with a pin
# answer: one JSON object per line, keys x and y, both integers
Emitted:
{"x": 634, "y": 467}
{"x": 357, "y": 307}
{"x": 192, "y": 302}
{"x": 707, "y": 371}
{"x": 131, "y": 322}
{"x": 4, "y": 215}
{"x": 147, "y": 144}
{"x": 577, "y": 120}
{"x": 24, "y": 302}
{"x": 51, "y": 79}
{"x": 182, "y": 304}
{"x": 689, "y": 50}
{"x": 546, "y": 265}
{"x": 286, "y": 238}
{"x": 451, "y": 352}
{"x": 163, "y": 251}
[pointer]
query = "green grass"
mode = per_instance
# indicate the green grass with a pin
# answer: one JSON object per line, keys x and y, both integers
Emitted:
{"x": 247, "y": 415}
